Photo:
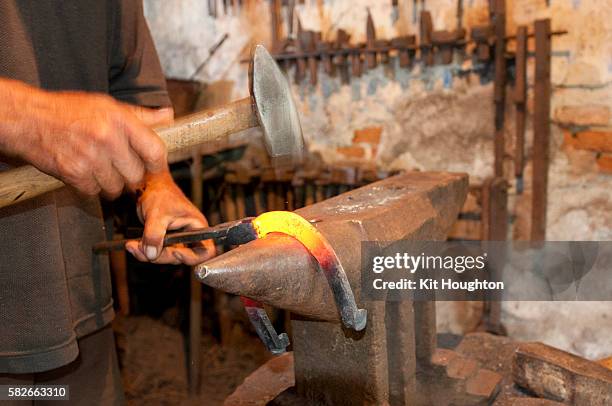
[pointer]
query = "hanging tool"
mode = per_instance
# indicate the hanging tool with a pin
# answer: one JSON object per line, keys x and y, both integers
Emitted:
{"x": 426, "y": 29}
{"x": 415, "y": 11}
{"x": 308, "y": 43}
{"x": 342, "y": 43}
{"x": 290, "y": 14}
{"x": 300, "y": 63}
{"x": 356, "y": 61}
{"x": 212, "y": 8}
{"x": 445, "y": 42}
{"x": 484, "y": 37}
{"x": 405, "y": 46}
{"x": 323, "y": 48}
{"x": 459, "y": 14}
{"x": 270, "y": 107}
{"x": 370, "y": 56}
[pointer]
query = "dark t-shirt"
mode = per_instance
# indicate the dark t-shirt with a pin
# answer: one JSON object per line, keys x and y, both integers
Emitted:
{"x": 52, "y": 290}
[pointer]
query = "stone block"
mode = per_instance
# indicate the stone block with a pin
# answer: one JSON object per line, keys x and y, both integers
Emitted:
{"x": 584, "y": 115}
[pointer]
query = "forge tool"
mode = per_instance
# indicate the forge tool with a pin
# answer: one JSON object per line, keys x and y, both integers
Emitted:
{"x": 269, "y": 106}
{"x": 293, "y": 225}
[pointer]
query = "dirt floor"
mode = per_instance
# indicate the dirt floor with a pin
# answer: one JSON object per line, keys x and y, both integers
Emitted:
{"x": 152, "y": 354}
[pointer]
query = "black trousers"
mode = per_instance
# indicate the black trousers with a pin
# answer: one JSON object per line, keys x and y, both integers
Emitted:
{"x": 94, "y": 377}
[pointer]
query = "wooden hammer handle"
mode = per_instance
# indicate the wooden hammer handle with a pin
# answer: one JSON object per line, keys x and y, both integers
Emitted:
{"x": 25, "y": 182}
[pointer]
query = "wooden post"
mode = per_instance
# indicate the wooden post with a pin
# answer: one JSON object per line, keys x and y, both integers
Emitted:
{"x": 195, "y": 302}
{"x": 118, "y": 263}
{"x": 494, "y": 228}
{"x": 499, "y": 21}
{"x": 520, "y": 100}
{"x": 541, "y": 129}
{"x": 276, "y": 20}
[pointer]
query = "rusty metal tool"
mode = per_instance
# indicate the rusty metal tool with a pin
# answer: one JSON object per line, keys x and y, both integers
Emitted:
{"x": 231, "y": 233}
{"x": 308, "y": 43}
{"x": 323, "y": 48}
{"x": 484, "y": 37}
{"x": 445, "y": 42}
{"x": 340, "y": 60}
{"x": 561, "y": 376}
{"x": 356, "y": 62}
{"x": 290, "y": 15}
{"x": 270, "y": 107}
{"x": 520, "y": 102}
{"x": 370, "y": 56}
{"x": 274, "y": 342}
{"x": 383, "y": 46}
{"x": 300, "y": 62}
{"x": 405, "y": 49}
{"x": 425, "y": 31}
{"x": 459, "y": 14}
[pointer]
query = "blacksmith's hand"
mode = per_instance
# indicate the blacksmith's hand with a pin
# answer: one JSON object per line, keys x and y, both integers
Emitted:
{"x": 161, "y": 207}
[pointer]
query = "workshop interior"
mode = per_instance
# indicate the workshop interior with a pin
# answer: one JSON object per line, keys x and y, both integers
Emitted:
{"x": 312, "y": 134}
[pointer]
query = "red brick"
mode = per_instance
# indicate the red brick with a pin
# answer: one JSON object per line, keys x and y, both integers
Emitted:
{"x": 370, "y": 135}
{"x": 351, "y": 152}
{"x": 599, "y": 141}
{"x": 583, "y": 115}
{"x": 461, "y": 368}
{"x": 604, "y": 162}
{"x": 484, "y": 383}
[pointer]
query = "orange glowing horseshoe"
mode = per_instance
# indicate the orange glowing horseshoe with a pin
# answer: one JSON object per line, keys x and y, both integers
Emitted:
{"x": 303, "y": 231}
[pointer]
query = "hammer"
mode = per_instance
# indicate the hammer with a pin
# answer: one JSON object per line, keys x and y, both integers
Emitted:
{"x": 270, "y": 106}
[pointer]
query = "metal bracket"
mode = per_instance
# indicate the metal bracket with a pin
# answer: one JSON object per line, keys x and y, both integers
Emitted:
{"x": 274, "y": 342}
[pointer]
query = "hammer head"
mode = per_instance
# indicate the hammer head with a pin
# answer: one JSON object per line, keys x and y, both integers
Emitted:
{"x": 275, "y": 109}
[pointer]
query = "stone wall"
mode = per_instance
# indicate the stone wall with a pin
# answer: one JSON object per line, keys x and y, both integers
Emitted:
{"x": 440, "y": 118}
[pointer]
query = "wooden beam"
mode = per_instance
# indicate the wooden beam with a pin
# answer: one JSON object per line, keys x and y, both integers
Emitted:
{"x": 520, "y": 100}
{"x": 499, "y": 22}
{"x": 541, "y": 129}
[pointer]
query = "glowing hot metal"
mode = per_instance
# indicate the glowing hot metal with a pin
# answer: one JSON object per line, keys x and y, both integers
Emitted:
{"x": 302, "y": 230}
